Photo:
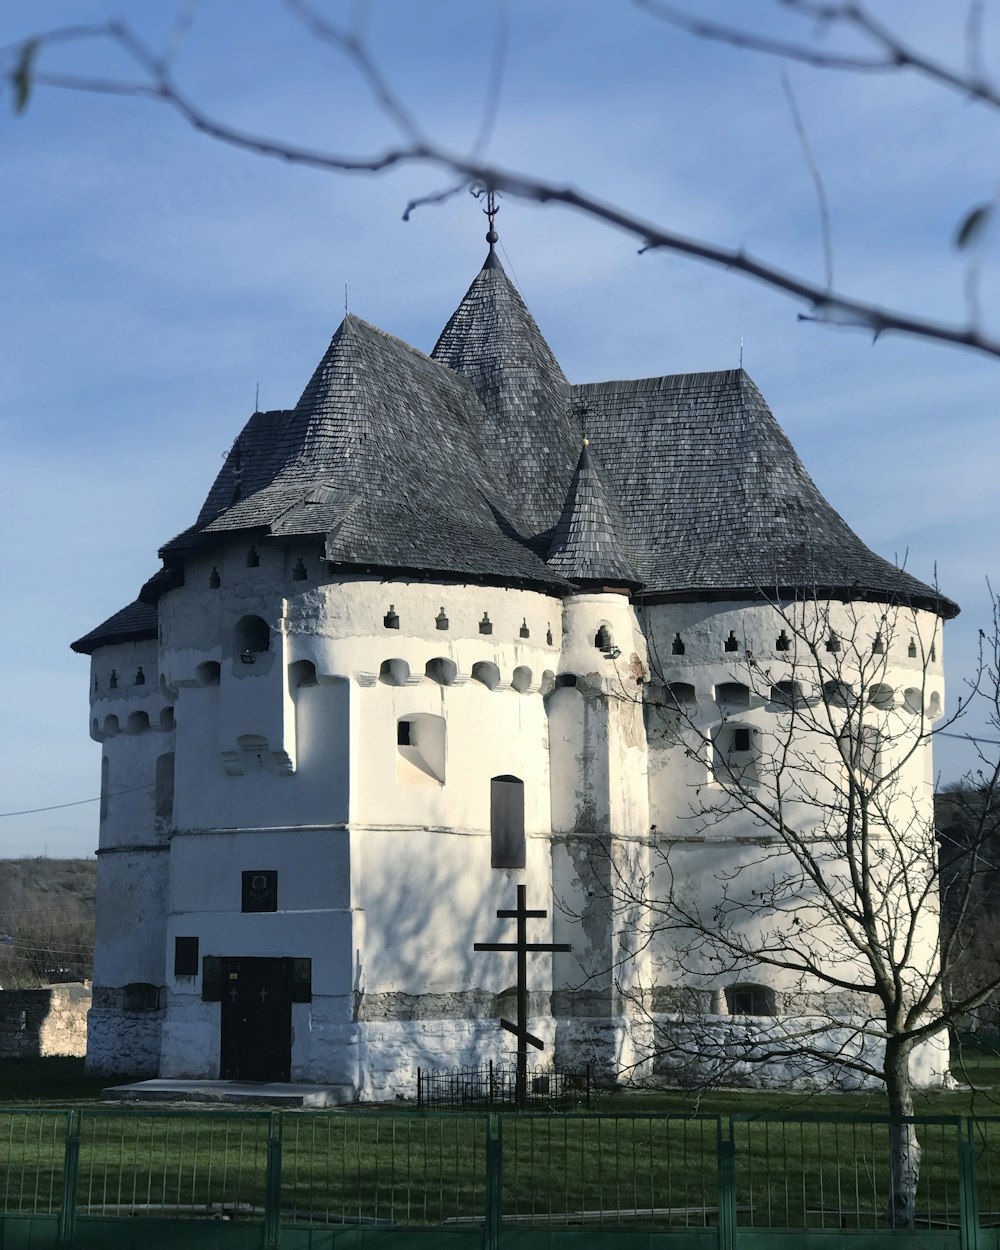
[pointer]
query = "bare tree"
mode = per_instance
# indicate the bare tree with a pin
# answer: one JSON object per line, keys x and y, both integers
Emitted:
{"x": 792, "y": 896}
{"x": 872, "y": 48}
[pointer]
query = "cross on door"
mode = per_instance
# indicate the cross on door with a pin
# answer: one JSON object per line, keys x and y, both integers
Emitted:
{"x": 263, "y": 993}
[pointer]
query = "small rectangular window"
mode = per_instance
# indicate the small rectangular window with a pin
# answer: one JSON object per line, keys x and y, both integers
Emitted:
{"x": 260, "y": 890}
{"x": 403, "y": 733}
{"x": 185, "y": 956}
{"x": 741, "y": 739}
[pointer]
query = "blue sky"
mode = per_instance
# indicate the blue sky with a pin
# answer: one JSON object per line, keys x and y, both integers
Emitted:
{"x": 152, "y": 278}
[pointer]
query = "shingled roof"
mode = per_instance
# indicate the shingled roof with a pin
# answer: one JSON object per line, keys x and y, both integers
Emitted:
{"x": 132, "y": 624}
{"x": 466, "y": 464}
{"x": 588, "y": 546}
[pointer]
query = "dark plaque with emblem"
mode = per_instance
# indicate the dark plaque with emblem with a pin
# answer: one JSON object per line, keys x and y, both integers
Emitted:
{"x": 260, "y": 890}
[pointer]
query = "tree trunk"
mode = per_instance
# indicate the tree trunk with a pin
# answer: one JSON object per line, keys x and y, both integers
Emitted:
{"x": 904, "y": 1149}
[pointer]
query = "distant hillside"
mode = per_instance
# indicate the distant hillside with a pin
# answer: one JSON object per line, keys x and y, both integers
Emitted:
{"x": 46, "y": 920}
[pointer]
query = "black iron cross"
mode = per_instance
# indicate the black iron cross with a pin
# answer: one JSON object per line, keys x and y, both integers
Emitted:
{"x": 521, "y": 948}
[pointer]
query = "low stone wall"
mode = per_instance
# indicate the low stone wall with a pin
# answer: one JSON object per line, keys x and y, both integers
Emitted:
{"x": 47, "y": 1021}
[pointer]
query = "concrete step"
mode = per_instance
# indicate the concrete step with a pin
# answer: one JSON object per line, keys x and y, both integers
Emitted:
{"x": 253, "y": 1093}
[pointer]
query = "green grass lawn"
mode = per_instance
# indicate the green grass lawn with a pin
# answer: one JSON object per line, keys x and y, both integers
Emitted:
{"x": 643, "y": 1158}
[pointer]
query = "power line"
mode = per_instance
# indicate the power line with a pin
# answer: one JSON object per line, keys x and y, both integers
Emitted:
{"x": 55, "y": 807}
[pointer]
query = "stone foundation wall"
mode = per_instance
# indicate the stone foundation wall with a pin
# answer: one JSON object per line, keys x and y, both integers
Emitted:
{"x": 120, "y": 1042}
{"x": 47, "y": 1021}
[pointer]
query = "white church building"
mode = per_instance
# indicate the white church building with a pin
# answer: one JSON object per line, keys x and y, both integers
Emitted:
{"x": 444, "y": 627}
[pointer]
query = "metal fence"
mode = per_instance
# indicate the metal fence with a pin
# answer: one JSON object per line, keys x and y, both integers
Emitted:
{"x": 256, "y": 1178}
{"x": 494, "y": 1087}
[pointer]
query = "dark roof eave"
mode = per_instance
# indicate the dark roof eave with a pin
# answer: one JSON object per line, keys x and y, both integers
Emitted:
{"x": 946, "y": 608}
{"x": 557, "y": 586}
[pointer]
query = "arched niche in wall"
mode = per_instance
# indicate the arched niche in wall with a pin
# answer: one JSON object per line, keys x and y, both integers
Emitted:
{"x": 137, "y": 723}
{"x": 507, "y": 845}
{"x": 837, "y": 693}
{"x": 111, "y": 726}
{"x": 881, "y": 696}
{"x": 165, "y": 788}
{"x": 913, "y": 700}
{"x": 732, "y": 694}
{"x": 167, "y": 719}
{"x": 394, "y": 672}
{"x": 487, "y": 673}
{"x": 302, "y": 673}
{"x": 252, "y": 636}
{"x": 208, "y": 674}
{"x": 934, "y": 707}
{"x": 420, "y": 749}
{"x": 442, "y": 670}
{"x": 521, "y": 679}
{"x": 786, "y": 695}
{"x": 680, "y": 694}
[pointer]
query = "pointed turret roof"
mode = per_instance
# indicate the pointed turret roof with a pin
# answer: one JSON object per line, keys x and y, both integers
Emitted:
{"x": 492, "y": 340}
{"x": 587, "y": 545}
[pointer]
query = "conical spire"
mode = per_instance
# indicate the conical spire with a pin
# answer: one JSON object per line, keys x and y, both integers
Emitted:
{"x": 586, "y": 547}
{"x": 493, "y": 341}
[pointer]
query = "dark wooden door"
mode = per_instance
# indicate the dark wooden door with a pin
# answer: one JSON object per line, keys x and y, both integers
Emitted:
{"x": 256, "y": 1019}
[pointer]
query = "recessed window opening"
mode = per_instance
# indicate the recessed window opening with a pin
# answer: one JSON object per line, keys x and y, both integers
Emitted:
{"x": 750, "y": 1000}
{"x": 95, "y": 727}
{"x": 881, "y": 696}
{"x": 486, "y": 625}
{"x": 548, "y": 683}
{"x": 913, "y": 700}
{"x": 507, "y": 843}
{"x": 787, "y": 694}
{"x": 487, "y": 673}
{"x": 391, "y": 618}
{"x": 185, "y": 956}
{"x": 113, "y": 683}
{"x": 441, "y": 621}
{"x": 934, "y": 706}
{"x": 420, "y": 749}
{"x": 253, "y": 559}
{"x": 602, "y": 639}
{"x": 911, "y": 650}
{"x": 878, "y": 646}
{"x": 140, "y": 996}
{"x": 782, "y": 642}
{"x": 164, "y": 810}
{"x": 677, "y": 646}
{"x": 96, "y": 684}
{"x": 302, "y": 673}
{"x": 565, "y": 679}
{"x": 524, "y": 631}
{"x": 140, "y": 677}
{"x": 441, "y": 670}
{"x": 253, "y": 634}
{"x": 735, "y": 753}
{"x": 521, "y": 679}
{"x": 167, "y": 719}
{"x": 932, "y": 655}
{"x": 732, "y": 694}
{"x": 137, "y": 723}
{"x": 837, "y": 694}
{"x": 548, "y": 636}
{"x": 209, "y": 673}
{"x": 300, "y": 572}
{"x": 681, "y": 694}
{"x": 833, "y": 642}
{"x": 731, "y": 643}
{"x": 111, "y": 726}
{"x": 214, "y": 580}
{"x": 394, "y": 672}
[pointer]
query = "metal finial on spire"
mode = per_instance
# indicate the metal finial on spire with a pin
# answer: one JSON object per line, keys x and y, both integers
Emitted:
{"x": 491, "y": 211}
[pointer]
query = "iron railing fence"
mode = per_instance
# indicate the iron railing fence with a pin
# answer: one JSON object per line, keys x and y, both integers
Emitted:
{"x": 490, "y": 1087}
{"x": 720, "y": 1177}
